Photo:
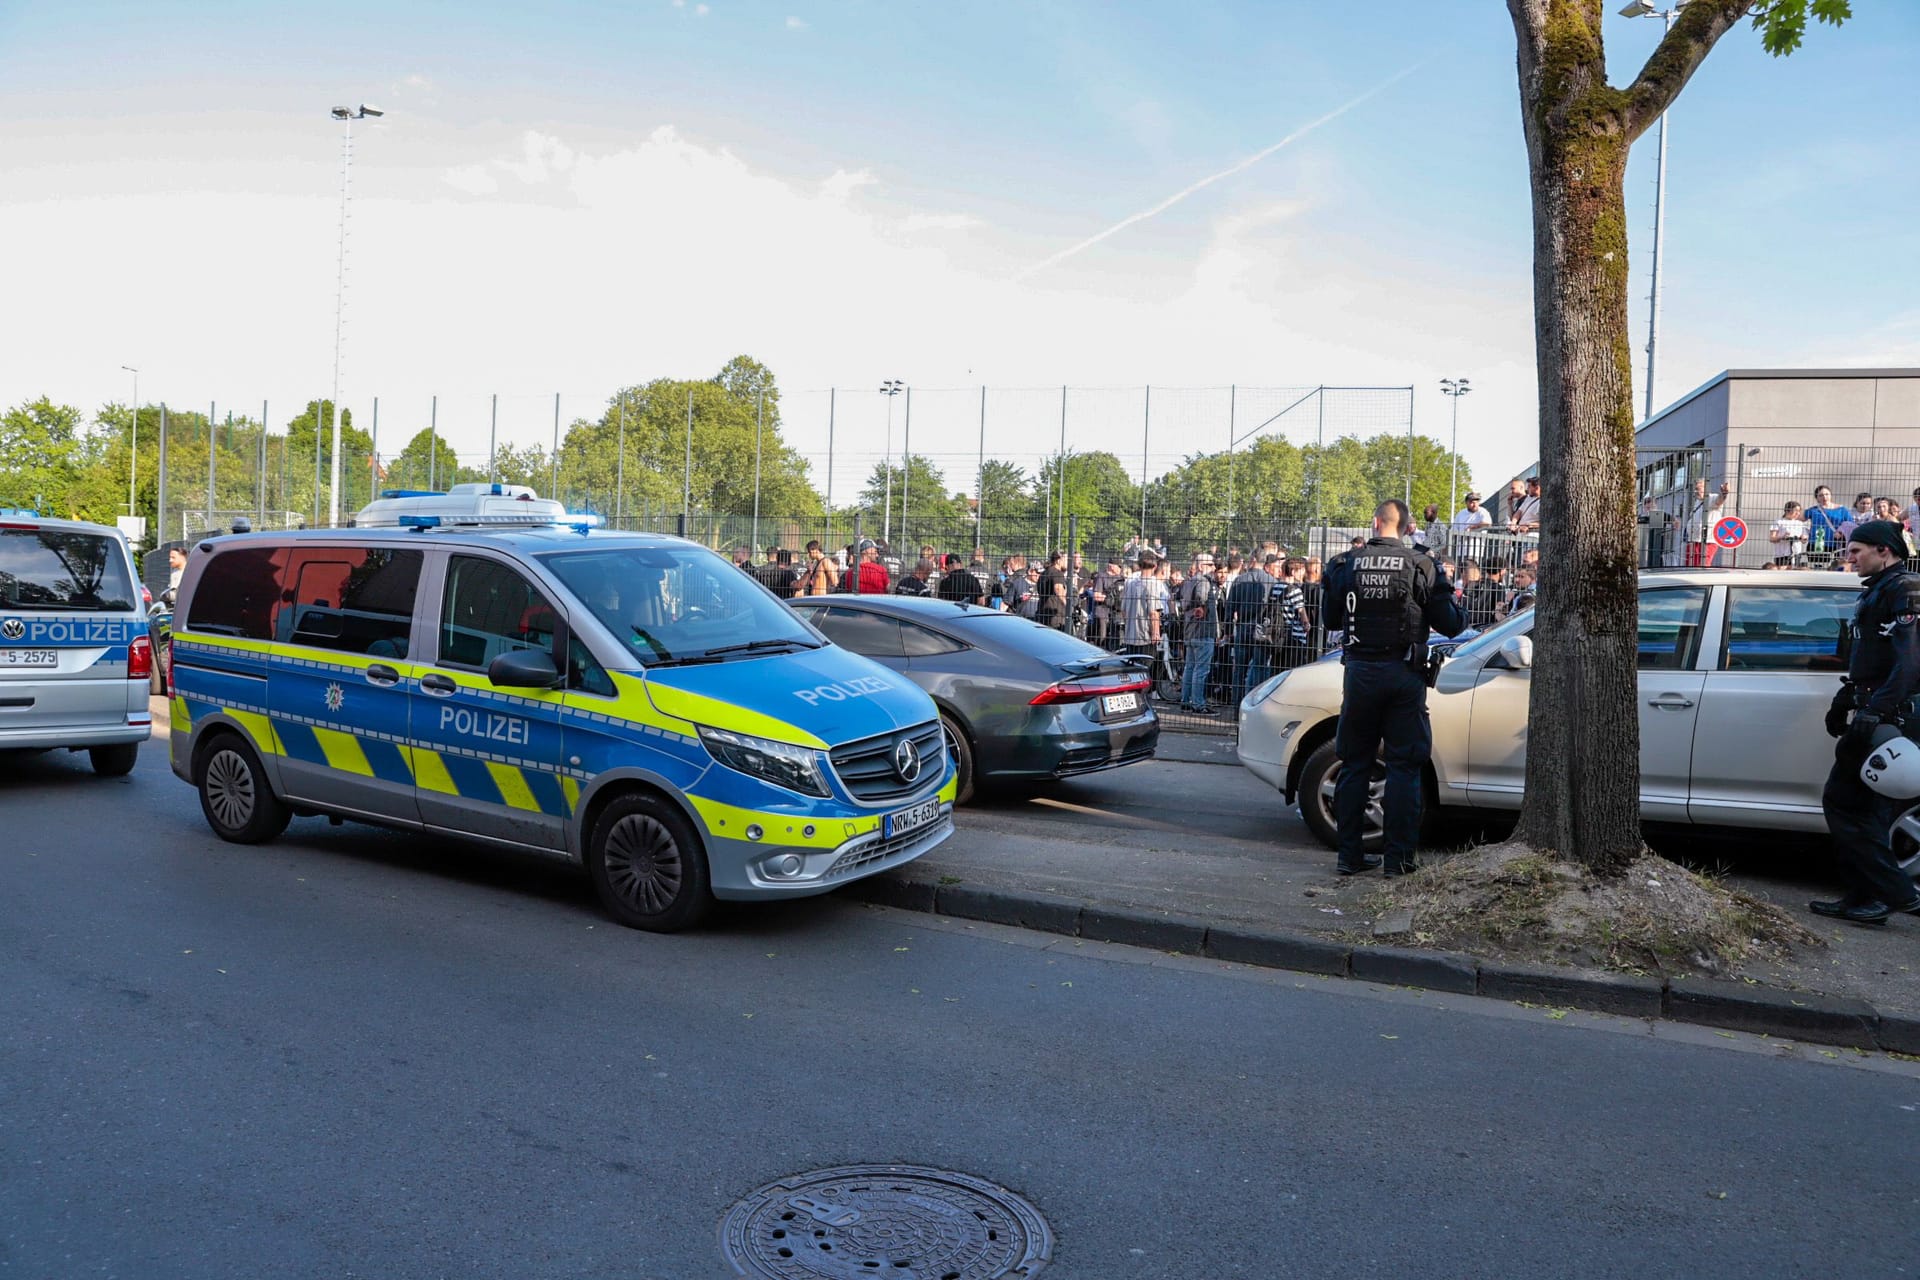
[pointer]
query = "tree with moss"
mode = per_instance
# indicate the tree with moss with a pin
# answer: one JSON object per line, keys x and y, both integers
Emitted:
{"x": 1582, "y": 798}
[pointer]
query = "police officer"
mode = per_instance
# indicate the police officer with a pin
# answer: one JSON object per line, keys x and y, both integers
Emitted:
{"x": 1386, "y": 596}
{"x": 1883, "y": 674}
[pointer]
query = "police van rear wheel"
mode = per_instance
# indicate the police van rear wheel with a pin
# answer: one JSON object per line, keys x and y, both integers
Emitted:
{"x": 234, "y": 795}
{"x": 648, "y": 867}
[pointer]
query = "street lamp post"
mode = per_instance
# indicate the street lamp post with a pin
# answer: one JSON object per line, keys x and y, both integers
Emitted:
{"x": 890, "y": 388}
{"x": 346, "y": 116}
{"x": 133, "y": 440}
{"x": 1647, "y": 9}
{"x": 1454, "y": 388}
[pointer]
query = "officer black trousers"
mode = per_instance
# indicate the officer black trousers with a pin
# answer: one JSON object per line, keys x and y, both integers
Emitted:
{"x": 1860, "y": 818}
{"x": 1385, "y": 706}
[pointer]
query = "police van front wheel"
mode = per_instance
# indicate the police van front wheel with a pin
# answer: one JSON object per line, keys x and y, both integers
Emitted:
{"x": 1906, "y": 841}
{"x": 648, "y": 867}
{"x": 234, "y": 795}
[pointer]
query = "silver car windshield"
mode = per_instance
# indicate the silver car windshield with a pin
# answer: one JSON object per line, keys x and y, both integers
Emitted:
{"x": 679, "y": 604}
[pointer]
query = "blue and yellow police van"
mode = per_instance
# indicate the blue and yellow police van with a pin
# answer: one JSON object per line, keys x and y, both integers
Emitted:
{"x": 481, "y": 663}
{"x": 75, "y": 651}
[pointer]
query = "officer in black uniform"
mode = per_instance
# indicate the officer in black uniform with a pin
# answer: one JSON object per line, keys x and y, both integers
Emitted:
{"x": 1883, "y": 675}
{"x": 1385, "y": 596}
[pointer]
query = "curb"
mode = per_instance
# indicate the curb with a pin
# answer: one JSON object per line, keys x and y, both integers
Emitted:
{"x": 1707, "y": 1002}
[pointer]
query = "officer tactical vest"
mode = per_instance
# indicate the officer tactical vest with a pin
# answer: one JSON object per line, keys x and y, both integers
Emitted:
{"x": 1385, "y": 617}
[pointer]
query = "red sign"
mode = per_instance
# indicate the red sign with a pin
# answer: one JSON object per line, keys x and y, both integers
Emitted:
{"x": 1730, "y": 531}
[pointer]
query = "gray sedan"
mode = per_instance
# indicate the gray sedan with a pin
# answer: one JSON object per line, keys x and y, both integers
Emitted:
{"x": 1019, "y": 702}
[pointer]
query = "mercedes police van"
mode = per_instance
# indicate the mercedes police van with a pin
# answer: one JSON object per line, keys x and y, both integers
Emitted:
{"x": 75, "y": 654}
{"x": 482, "y": 663}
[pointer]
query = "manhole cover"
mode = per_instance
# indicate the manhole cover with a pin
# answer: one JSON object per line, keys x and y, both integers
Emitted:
{"x": 898, "y": 1221}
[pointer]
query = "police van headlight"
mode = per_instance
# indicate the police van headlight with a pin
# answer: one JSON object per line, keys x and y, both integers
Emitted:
{"x": 781, "y": 763}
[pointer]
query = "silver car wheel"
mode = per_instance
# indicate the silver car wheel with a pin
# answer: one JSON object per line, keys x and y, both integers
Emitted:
{"x": 229, "y": 787}
{"x": 643, "y": 864}
{"x": 1375, "y": 823}
{"x": 1905, "y": 838}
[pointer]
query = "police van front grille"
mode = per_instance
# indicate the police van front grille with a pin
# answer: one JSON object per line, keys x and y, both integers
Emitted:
{"x": 867, "y": 767}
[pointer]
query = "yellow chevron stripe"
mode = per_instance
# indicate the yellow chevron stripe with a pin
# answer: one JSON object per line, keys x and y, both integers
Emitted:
{"x": 570, "y": 787}
{"x": 260, "y": 729}
{"x": 513, "y": 786}
{"x": 430, "y": 772}
{"x": 342, "y": 751}
{"x": 179, "y": 719}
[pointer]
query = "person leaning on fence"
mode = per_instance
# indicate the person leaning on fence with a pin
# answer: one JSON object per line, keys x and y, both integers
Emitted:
{"x": 1387, "y": 597}
{"x": 1789, "y": 537}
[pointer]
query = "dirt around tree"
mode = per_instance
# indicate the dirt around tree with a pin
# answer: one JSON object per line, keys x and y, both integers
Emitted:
{"x": 1512, "y": 902}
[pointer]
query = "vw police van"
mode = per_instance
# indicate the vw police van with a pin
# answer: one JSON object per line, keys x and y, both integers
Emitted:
{"x": 75, "y": 655}
{"x": 481, "y": 663}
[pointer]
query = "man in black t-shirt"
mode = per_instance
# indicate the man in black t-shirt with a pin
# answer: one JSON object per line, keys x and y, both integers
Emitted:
{"x": 1053, "y": 593}
{"x": 960, "y": 583}
{"x": 778, "y": 574}
{"x": 915, "y": 583}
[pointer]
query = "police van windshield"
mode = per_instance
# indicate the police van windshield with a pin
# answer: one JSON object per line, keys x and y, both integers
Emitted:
{"x": 679, "y": 604}
{"x": 63, "y": 569}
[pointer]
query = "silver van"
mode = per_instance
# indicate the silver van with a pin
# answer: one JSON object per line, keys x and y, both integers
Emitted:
{"x": 75, "y": 653}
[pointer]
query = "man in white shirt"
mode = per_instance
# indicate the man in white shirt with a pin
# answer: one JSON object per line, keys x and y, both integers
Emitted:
{"x": 1696, "y": 530}
{"x": 1472, "y": 516}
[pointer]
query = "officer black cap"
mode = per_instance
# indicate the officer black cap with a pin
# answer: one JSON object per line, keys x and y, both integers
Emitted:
{"x": 1880, "y": 533}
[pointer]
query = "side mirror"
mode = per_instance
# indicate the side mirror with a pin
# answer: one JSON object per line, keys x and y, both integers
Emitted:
{"x": 1518, "y": 652}
{"x": 524, "y": 669}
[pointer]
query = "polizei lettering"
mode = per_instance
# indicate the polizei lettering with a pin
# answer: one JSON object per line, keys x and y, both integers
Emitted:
{"x": 77, "y": 631}
{"x": 841, "y": 690}
{"x": 483, "y": 724}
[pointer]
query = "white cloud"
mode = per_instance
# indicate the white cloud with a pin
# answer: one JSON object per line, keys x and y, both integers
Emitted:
{"x": 701, "y": 10}
{"x": 796, "y": 24}
{"x": 669, "y": 256}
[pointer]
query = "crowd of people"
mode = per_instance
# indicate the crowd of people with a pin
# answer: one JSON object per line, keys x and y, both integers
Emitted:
{"x": 1215, "y": 627}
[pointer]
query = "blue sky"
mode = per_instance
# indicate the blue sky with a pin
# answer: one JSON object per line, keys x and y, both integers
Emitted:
{"x": 571, "y": 196}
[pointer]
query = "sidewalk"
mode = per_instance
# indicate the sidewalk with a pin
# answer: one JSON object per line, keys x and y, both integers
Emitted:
{"x": 1182, "y": 855}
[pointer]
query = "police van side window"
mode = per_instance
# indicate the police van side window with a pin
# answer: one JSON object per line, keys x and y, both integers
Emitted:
{"x": 1670, "y": 628}
{"x": 490, "y": 609}
{"x": 237, "y": 593}
{"x": 349, "y": 599}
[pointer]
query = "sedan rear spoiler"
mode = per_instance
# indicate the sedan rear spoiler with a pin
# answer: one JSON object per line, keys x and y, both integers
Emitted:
{"x": 1108, "y": 662}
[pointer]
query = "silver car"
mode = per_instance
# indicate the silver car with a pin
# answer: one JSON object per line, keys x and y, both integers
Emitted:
{"x": 1737, "y": 668}
{"x": 75, "y": 654}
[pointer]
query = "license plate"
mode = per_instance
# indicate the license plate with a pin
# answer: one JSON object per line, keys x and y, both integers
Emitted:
{"x": 906, "y": 820}
{"x": 28, "y": 658}
{"x": 1118, "y": 702}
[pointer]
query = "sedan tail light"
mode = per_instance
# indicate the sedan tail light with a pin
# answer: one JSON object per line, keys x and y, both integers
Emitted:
{"x": 140, "y": 659}
{"x": 1082, "y": 691}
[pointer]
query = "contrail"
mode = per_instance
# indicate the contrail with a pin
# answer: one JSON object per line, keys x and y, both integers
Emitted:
{"x": 1210, "y": 179}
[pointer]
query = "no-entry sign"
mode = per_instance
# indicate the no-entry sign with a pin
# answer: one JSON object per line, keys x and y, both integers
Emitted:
{"x": 1730, "y": 531}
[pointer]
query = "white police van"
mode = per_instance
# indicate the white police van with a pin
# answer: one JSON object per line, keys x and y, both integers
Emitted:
{"x": 75, "y": 652}
{"x": 481, "y": 663}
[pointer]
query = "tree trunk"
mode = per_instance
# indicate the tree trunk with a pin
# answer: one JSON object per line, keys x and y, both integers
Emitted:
{"x": 1583, "y": 730}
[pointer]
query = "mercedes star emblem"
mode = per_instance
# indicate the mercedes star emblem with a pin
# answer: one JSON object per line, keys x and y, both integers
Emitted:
{"x": 906, "y": 760}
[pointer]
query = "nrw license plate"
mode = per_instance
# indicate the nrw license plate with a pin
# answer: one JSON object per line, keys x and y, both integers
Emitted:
{"x": 899, "y": 824}
{"x": 28, "y": 658}
{"x": 1117, "y": 702}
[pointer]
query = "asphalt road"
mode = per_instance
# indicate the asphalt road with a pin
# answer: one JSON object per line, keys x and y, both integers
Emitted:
{"x": 353, "y": 1053}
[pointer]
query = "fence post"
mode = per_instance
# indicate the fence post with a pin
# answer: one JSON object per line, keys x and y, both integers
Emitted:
{"x": 759, "y": 412}
{"x": 213, "y": 456}
{"x": 160, "y": 483}
{"x": 980, "y": 477}
{"x": 1073, "y": 578}
{"x": 620, "y": 466}
{"x": 1146, "y": 433}
{"x": 853, "y": 570}
{"x": 433, "y": 443}
{"x": 373, "y": 464}
{"x": 553, "y": 484}
{"x": 681, "y": 526}
{"x": 1739, "y": 492}
{"x": 493, "y": 441}
{"x": 906, "y": 470}
{"x": 686, "y": 481}
{"x": 832, "y": 394}
{"x": 260, "y": 495}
